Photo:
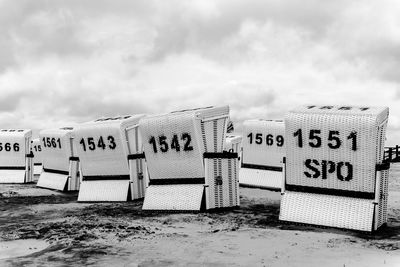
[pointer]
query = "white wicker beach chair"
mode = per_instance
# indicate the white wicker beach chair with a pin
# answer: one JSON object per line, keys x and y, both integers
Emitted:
{"x": 15, "y": 156}
{"x": 263, "y": 153}
{"x": 335, "y": 175}
{"x": 112, "y": 160}
{"x": 187, "y": 164}
{"x": 60, "y": 164}
{"x": 36, "y": 149}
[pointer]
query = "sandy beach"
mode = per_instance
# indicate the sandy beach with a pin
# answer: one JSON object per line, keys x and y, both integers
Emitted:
{"x": 40, "y": 227}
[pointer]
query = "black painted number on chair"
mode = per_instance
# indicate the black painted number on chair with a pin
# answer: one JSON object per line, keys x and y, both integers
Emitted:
{"x": 8, "y": 147}
{"x": 51, "y": 142}
{"x": 270, "y": 139}
{"x": 37, "y": 148}
{"x": 90, "y": 143}
{"x": 333, "y": 139}
{"x": 164, "y": 145}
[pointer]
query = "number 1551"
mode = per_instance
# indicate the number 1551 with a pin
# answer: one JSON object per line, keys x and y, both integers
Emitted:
{"x": 334, "y": 139}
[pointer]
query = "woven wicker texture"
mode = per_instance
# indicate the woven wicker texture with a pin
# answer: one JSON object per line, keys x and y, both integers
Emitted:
{"x": 36, "y": 149}
{"x": 334, "y": 211}
{"x": 381, "y": 212}
{"x": 357, "y": 130}
{"x": 195, "y": 131}
{"x": 382, "y": 192}
{"x": 57, "y": 149}
{"x": 74, "y": 178}
{"x": 263, "y": 142}
{"x": 14, "y": 145}
{"x": 260, "y": 178}
{"x": 233, "y": 143}
{"x": 138, "y": 178}
{"x": 104, "y": 190}
{"x": 37, "y": 169}
{"x": 174, "y": 197}
{"x": 222, "y": 181}
{"x": 28, "y": 169}
{"x": 56, "y": 145}
{"x": 12, "y": 176}
{"x": 102, "y": 147}
{"x": 52, "y": 180}
{"x": 264, "y": 146}
{"x": 137, "y": 168}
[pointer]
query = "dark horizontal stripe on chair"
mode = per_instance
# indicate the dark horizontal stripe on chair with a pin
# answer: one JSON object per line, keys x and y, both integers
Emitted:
{"x": 106, "y": 177}
{"x": 56, "y": 171}
{"x": 220, "y": 155}
{"x": 329, "y": 191}
{"x": 12, "y": 167}
{"x": 136, "y": 156}
{"x": 262, "y": 167}
{"x": 175, "y": 181}
{"x": 383, "y": 166}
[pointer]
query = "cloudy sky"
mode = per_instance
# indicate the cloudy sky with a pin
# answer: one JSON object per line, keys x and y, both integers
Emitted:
{"x": 63, "y": 62}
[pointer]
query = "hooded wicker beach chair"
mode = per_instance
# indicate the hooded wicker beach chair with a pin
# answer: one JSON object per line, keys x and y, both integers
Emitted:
{"x": 111, "y": 158}
{"x": 263, "y": 153}
{"x": 188, "y": 167}
{"x": 60, "y": 164}
{"x": 335, "y": 174}
{"x": 15, "y": 156}
{"x": 36, "y": 149}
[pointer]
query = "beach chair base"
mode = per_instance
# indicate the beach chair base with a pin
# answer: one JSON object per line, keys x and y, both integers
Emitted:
{"x": 104, "y": 191}
{"x": 183, "y": 197}
{"x": 258, "y": 178}
{"x": 53, "y": 180}
{"x": 37, "y": 169}
{"x": 328, "y": 210}
{"x": 12, "y": 176}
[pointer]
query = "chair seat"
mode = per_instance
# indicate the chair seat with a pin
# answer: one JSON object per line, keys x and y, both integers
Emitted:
{"x": 260, "y": 178}
{"x": 327, "y": 210}
{"x": 185, "y": 197}
{"x": 104, "y": 190}
{"x": 12, "y": 176}
{"x": 52, "y": 180}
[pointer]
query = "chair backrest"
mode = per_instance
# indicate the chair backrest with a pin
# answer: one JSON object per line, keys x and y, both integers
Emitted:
{"x": 36, "y": 150}
{"x": 103, "y": 145}
{"x": 335, "y": 147}
{"x": 56, "y": 145}
{"x": 264, "y": 143}
{"x": 174, "y": 143}
{"x": 15, "y": 144}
